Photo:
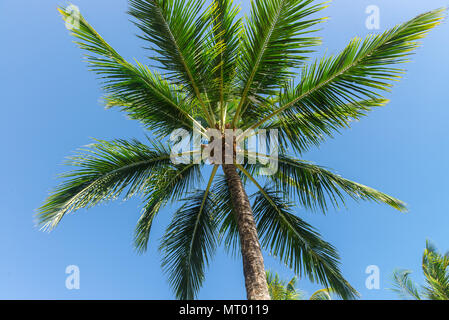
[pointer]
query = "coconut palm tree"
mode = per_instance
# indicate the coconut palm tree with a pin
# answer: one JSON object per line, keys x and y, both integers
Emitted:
{"x": 436, "y": 273}
{"x": 216, "y": 70}
{"x": 281, "y": 290}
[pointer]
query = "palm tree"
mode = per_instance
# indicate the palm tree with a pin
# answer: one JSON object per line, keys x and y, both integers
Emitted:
{"x": 215, "y": 71}
{"x": 436, "y": 272}
{"x": 281, "y": 290}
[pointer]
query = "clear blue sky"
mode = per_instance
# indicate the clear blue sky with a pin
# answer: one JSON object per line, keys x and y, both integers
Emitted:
{"x": 50, "y": 106}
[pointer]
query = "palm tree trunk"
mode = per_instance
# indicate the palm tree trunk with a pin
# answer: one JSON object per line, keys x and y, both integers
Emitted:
{"x": 253, "y": 265}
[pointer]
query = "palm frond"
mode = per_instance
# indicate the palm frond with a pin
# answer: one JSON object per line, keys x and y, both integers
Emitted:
{"x": 275, "y": 287}
{"x": 188, "y": 244}
{"x": 144, "y": 95}
{"x": 165, "y": 184}
{"x": 296, "y": 243}
{"x": 106, "y": 170}
{"x": 175, "y": 30}
{"x": 276, "y": 40}
{"x": 404, "y": 286}
{"x": 436, "y": 271}
{"x": 436, "y": 274}
{"x": 315, "y": 186}
{"x": 360, "y": 71}
{"x": 323, "y": 294}
{"x": 303, "y": 131}
{"x": 226, "y": 32}
{"x": 280, "y": 290}
{"x": 229, "y": 233}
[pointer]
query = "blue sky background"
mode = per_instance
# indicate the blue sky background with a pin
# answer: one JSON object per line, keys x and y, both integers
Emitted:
{"x": 50, "y": 107}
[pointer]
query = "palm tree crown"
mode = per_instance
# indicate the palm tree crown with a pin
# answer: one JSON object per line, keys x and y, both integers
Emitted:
{"x": 283, "y": 290}
{"x": 436, "y": 272}
{"x": 218, "y": 70}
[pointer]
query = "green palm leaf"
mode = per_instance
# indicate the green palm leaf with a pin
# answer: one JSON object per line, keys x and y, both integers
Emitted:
{"x": 275, "y": 41}
{"x": 297, "y": 244}
{"x": 175, "y": 30}
{"x": 323, "y": 294}
{"x": 436, "y": 274}
{"x": 303, "y": 131}
{"x": 436, "y": 271}
{"x": 228, "y": 229}
{"x": 358, "y": 72}
{"x": 225, "y": 34}
{"x": 106, "y": 169}
{"x": 188, "y": 244}
{"x": 144, "y": 95}
{"x": 315, "y": 186}
{"x": 165, "y": 184}
{"x": 280, "y": 290}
